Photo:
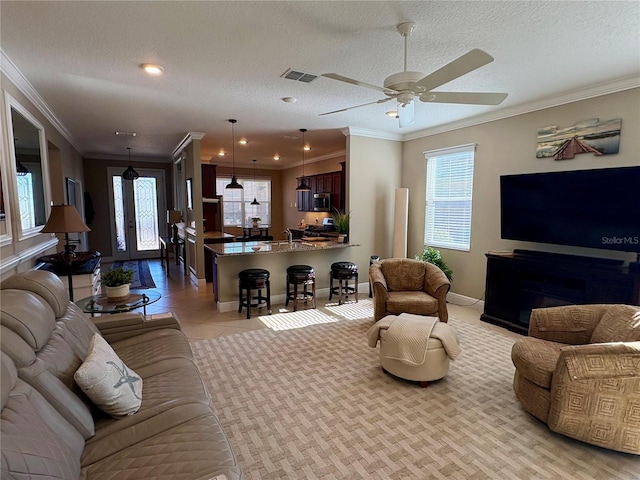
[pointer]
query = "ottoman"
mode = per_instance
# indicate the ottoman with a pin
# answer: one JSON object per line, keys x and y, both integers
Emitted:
{"x": 414, "y": 347}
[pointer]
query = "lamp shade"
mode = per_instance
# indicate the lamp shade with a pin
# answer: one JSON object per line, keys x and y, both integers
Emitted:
{"x": 174, "y": 216}
{"x": 64, "y": 219}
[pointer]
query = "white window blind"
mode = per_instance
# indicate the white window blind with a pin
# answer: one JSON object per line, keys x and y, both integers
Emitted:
{"x": 449, "y": 197}
{"x": 237, "y": 208}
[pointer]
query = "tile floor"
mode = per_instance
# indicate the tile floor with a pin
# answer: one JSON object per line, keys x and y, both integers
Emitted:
{"x": 196, "y": 308}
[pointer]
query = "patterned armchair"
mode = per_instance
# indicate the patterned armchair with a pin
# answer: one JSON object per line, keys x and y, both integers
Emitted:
{"x": 579, "y": 372}
{"x": 402, "y": 285}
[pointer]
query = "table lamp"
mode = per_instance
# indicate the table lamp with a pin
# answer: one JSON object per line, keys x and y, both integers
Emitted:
{"x": 66, "y": 219}
{"x": 173, "y": 217}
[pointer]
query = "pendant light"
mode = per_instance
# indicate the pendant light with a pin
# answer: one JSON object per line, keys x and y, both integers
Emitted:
{"x": 255, "y": 200}
{"x": 303, "y": 187}
{"x": 234, "y": 181}
{"x": 130, "y": 173}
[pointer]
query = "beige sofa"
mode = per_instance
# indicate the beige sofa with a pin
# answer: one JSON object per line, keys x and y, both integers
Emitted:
{"x": 579, "y": 372}
{"x": 402, "y": 285}
{"x": 49, "y": 427}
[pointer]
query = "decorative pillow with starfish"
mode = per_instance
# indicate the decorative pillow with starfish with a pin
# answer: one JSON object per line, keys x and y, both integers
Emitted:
{"x": 112, "y": 386}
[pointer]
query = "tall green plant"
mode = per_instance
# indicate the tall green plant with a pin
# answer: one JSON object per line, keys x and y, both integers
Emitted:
{"x": 433, "y": 256}
{"x": 341, "y": 221}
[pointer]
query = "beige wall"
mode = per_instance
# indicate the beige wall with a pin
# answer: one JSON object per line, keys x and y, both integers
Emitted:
{"x": 64, "y": 161}
{"x": 509, "y": 147}
{"x": 373, "y": 173}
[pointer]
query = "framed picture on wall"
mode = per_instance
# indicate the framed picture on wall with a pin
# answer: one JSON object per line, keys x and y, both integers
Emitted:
{"x": 189, "y": 195}
{"x": 71, "y": 191}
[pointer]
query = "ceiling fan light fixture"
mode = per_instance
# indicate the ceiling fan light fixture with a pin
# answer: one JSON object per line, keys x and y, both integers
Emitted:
{"x": 234, "y": 185}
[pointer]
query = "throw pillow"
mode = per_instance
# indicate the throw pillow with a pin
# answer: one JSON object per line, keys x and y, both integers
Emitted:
{"x": 107, "y": 381}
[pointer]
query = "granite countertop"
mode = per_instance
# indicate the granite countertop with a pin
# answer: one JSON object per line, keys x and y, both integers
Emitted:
{"x": 276, "y": 246}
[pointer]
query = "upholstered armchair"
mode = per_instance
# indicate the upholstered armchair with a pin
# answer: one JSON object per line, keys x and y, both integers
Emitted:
{"x": 579, "y": 372}
{"x": 402, "y": 285}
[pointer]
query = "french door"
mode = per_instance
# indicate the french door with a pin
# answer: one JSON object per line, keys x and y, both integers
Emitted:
{"x": 135, "y": 209}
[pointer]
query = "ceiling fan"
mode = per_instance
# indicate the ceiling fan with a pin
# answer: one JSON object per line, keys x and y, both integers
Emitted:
{"x": 406, "y": 86}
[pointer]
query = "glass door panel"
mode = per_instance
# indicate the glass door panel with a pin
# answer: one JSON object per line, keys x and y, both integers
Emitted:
{"x": 135, "y": 209}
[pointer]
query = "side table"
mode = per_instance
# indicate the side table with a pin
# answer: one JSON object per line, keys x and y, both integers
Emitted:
{"x": 137, "y": 298}
{"x": 167, "y": 244}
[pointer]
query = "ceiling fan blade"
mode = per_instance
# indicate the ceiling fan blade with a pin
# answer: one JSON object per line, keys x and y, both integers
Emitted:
{"x": 382, "y": 100}
{"x": 340, "y": 78}
{"x": 473, "y": 98}
{"x": 406, "y": 114}
{"x": 466, "y": 63}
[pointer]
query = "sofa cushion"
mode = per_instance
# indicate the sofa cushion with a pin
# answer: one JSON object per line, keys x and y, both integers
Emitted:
{"x": 536, "y": 359}
{"x": 36, "y": 441}
{"x": 44, "y": 284}
{"x": 152, "y": 347}
{"x": 620, "y": 323}
{"x": 108, "y": 382}
{"x": 403, "y": 275}
{"x": 29, "y": 316}
{"x": 419, "y": 303}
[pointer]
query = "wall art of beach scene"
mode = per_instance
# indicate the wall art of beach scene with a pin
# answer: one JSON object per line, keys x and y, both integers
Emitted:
{"x": 589, "y": 136}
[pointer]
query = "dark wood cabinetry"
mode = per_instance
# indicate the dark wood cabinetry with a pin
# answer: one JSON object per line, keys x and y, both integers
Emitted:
{"x": 332, "y": 183}
{"x": 211, "y": 202}
{"x": 520, "y": 281}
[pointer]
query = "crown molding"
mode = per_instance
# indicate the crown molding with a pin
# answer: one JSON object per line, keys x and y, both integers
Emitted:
{"x": 189, "y": 137}
{"x": 16, "y": 77}
{"x": 605, "y": 88}
{"x": 364, "y": 132}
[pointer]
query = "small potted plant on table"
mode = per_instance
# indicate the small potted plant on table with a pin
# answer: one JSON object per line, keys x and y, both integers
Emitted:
{"x": 255, "y": 221}
{"x": 117, "y": 282}
{"x": 341, "y": 222}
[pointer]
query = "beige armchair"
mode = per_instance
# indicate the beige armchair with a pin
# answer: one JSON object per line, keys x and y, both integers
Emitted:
{"x": 579, "y": 372}
{"x": 402, "y": 285}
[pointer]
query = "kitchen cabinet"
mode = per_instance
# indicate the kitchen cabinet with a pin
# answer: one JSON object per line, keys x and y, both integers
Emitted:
{"x": 322, "y": 183}
{"x": 211, "y": 202}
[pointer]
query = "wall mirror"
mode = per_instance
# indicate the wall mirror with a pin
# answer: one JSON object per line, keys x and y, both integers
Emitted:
{"x": 28, "y": 170}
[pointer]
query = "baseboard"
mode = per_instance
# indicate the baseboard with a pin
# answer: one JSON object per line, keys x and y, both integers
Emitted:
{"x": 464, "y": 301}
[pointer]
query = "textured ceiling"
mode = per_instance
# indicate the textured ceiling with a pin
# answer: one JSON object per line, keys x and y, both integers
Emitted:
{"x": 225, "y": 60}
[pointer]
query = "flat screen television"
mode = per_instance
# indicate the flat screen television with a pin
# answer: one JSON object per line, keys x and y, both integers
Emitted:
{"x": 597, "y": 208}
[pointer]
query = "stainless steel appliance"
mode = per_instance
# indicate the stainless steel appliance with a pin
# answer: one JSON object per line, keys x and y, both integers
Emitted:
{"x": 321, "y": 202}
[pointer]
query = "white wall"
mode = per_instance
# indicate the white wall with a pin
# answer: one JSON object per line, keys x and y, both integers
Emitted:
{"x": 509, "y": 147}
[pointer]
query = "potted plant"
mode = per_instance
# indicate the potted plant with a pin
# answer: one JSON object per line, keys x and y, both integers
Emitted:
{"x": 255, "y": 221}
{"x": 341, "y": 222}
{"x": 431, "y": 255}
{"x": 117, "y": 282}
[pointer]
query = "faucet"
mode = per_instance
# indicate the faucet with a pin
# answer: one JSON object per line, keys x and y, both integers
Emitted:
{"x": 289, "y": 235}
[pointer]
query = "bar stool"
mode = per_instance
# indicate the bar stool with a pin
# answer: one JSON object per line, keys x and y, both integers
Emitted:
{"x": 343, "y": 272}
{"x": 254, "y": 279}
{"x": 301, "y": 275}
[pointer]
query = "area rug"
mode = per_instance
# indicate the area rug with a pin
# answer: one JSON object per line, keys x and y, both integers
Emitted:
{"x": 141, "y": 273}
{"x": 313, "y": 403}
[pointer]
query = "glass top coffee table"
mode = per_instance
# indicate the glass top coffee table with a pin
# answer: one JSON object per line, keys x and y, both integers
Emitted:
{"x": 137, "y": 299}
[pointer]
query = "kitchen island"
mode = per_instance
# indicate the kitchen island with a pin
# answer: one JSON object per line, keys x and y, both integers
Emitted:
{"x": 229, "y": 259}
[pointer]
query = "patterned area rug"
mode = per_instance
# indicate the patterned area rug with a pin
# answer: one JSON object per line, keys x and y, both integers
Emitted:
{"x": 312, "y": 402}
{"x": 141, "y": 273}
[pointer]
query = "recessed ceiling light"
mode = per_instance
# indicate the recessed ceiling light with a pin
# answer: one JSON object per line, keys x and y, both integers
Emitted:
{"x": 243, "y": 141}
{"x": 126, "y": 134}
{"x": 307, "y": 148}
{"x": 152, "y": 68}
{"x": 276, "y": 157}
{"x": 221, "y": 153}
{"x": 289, "y": 99}
{"x": 392, "y": 113}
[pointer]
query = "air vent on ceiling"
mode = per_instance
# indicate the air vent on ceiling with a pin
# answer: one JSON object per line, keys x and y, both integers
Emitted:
{"x": 299, "y": 76}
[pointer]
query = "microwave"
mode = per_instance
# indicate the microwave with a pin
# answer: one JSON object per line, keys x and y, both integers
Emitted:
{"x": 321, "y": 202}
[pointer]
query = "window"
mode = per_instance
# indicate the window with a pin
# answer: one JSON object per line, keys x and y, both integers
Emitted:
{"x": 237, "y": 208}
{"x": 448, "y": 200}
{"x": 26, "y": 201}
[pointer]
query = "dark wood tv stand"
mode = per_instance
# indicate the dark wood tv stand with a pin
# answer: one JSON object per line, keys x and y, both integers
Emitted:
{"x": 521, "y": 280}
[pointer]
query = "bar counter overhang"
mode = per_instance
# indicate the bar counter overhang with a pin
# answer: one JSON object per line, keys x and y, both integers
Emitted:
{"x": 229, "y": 259}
